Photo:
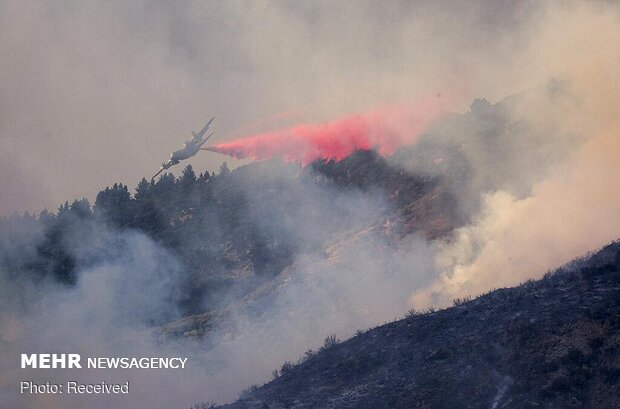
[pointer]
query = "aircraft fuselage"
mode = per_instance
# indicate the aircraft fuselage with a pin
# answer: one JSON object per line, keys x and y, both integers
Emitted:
{"x": 191, "y": 148}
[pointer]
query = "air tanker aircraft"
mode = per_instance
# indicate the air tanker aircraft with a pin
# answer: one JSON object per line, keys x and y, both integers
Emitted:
{"x": 192, "y": 146}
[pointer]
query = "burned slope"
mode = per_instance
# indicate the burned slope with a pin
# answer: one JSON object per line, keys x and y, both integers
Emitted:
{"x": 551, "y": 343}
{"x": 420, "y": 201}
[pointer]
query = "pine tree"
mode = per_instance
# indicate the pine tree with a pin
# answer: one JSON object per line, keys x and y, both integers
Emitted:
{"x": 204, "y": 177}
{"x": 143, "y": 190}
{"x": 224, "y": 170}
{"x": 46, "y": 217}
{"x": 187, "y": 179}
{"x": 81, "y": 208}
{"x": 114, "y": 205}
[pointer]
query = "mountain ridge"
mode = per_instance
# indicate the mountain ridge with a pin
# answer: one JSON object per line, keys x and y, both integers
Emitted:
{"x": 550, "y": 343}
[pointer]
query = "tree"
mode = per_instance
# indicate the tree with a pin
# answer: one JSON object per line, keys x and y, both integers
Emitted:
{"x": 63, "y": 209}
{"x": 81, "y": 208}
{"x": 187, "y": 181}
{"x": 143, "y": 190}
{"x": 224, "y": 170}
{"x": 146, "y": 215}
{"x": 204, "y": 177}
{"x": 113, "y": 205}
{"x": 46, "y": 217}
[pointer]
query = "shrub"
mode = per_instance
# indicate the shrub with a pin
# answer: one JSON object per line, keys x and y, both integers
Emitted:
{"x": 412, "y": 313}
{"x": 307, "y": 355}
{"x": 287, "y": 366}
{"x": 246, "y": 392}
{"x": 203, "y": 405}
{"x": 330, "y": 341}
{"x": 460, "y": 301}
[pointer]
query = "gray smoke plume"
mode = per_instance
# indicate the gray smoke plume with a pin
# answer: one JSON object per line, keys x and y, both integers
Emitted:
{"x": 92, "y": 93}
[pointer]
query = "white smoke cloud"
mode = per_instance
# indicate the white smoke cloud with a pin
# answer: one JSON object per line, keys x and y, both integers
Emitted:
{"x": 93, "y": 74}
{"x": 573, "y": 207}
{"x": 97, "y": 92}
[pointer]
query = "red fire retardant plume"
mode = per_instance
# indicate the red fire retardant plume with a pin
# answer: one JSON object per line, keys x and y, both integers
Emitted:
{"x": 384, "y": 129}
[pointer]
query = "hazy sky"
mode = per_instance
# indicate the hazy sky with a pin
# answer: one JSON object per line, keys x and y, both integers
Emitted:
{"x": 94, "y": 93}
{"x": 97, "y": 92}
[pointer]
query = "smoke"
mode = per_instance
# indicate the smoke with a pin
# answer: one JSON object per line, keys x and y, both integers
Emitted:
{"x": 99, "y": 92}
{"x": 572, "y": 207}
{"x": 127, "y": 284}
{"x": 384, "y": 129}
{"x": 364, "y": 283}
{"x": 346, "y": 275}
{"x": 543, "y": 191}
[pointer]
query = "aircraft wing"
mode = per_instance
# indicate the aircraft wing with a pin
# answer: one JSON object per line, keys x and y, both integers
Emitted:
{"x": 158, "y": 172}
{"x": 200, "y": 134}
{"x": 165, "y": 165}
{"x": 206, "y": 139}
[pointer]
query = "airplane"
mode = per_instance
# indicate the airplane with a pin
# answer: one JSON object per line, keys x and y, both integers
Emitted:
{"x": 190, "y": 148}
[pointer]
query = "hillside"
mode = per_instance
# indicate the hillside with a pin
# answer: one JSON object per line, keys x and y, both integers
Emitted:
{"x": 251, "y": 223}
{"x": 551, "y": 343}
{"x": 252, "y": 266}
